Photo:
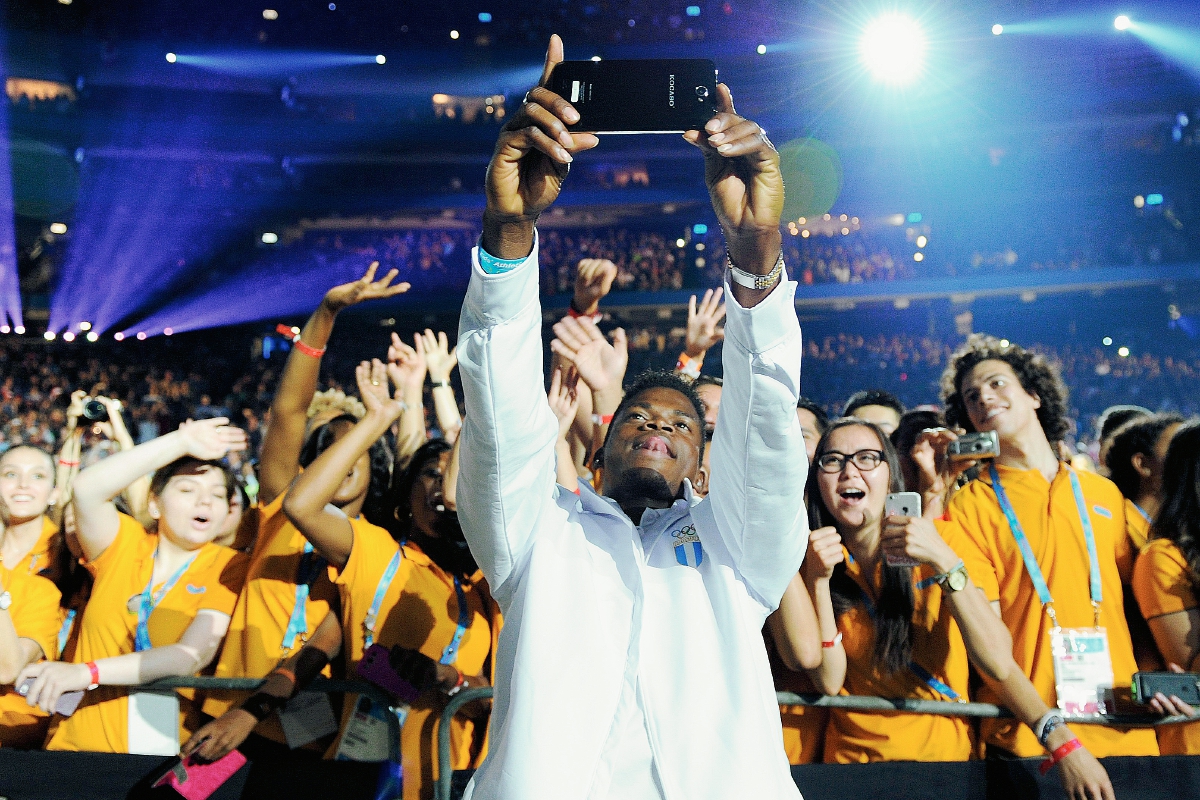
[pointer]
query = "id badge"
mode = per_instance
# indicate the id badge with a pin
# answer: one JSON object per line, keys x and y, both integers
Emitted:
{"x": 366, "y": 735}
{"x": 153, "y": 724}
{"x": 1083, "y": 674}
{"x": 307, "y": 717}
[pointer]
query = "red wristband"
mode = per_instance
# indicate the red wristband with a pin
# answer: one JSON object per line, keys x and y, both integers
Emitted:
{"x": 832, "y": 642}
{"x": 315, "y": 352}
{"x": 95, "y": 673}
{"x": 574, "y": 312}
{"x": 602, "y": 419}
{"x": 1059, "y": 754}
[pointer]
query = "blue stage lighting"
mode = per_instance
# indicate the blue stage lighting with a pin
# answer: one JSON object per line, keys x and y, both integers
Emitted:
{"x": 893, "y": 48}
{"x": 1154, "y": 199}
{"x": 1122, "y": 23}
{"x": 997, "y": 29}
{"x": 915, "y": 217}
{"x": 699, "y": 229}
{"x": 693, "y": 11}
{"x": 485, "y": 16}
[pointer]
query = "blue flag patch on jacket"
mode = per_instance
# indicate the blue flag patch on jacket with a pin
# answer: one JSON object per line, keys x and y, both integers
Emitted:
{"x": 688, "y": 551}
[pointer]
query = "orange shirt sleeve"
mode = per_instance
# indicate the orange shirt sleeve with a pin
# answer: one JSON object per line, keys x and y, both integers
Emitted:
{"x": 1162, "y": 581}
{"x": 35, "y": 610}
{"x": 967, "y": 534}
{"x": 129, "y": 533}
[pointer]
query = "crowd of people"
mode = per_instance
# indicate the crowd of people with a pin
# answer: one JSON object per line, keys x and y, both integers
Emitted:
{"x": 957, "y": 550}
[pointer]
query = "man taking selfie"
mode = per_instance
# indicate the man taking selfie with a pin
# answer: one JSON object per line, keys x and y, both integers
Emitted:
{"x": 631, "y": 663}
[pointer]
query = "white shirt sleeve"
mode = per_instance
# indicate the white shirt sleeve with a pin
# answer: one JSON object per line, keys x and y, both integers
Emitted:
{"x": 759, "y": 463}
{"x": 506, "y": 481}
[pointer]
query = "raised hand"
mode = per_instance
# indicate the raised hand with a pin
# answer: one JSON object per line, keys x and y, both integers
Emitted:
{"x": 741, "y": 169}
{"x": 600, "y": 364}
{"x": 593, "y": 281}
{"x": 406, "y": 366}
{"x": 564, "y": 399}
{"x": 917, "y": 539}
{"x": 702, "y": 330}
{"x": 364, "y": 289}
{"x": 824, "y": 553}
{"x": 372, "y": 380}
{"x": 530, "y": 162}
{"x": 75, "y": 409}
{"x": 439, "y": 358}
{"x": 211, "y": 439}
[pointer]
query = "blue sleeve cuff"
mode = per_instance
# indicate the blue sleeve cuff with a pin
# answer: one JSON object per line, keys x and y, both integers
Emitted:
{"x": 494, "y": 266}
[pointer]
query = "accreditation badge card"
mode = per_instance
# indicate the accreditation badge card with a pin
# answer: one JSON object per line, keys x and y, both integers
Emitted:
{"x": 1083, "y": 673}
{"x": 153, "y": 724}
{"x": 366, "y": 735}
{"x": 307, "y": 717}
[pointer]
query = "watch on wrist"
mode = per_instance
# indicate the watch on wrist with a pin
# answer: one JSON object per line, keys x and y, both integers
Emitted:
{"x": 262, "y": 705}
{"x": 751, "y": 280}
{"x": 5, "y": 600}
{"x": 1047, "y": 724}
{"x": 953, "y": 581}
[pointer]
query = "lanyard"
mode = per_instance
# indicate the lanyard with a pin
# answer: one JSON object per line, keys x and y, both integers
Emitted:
{"x": 450, "y": 654}
{"x": 1145, "y": 516}
{"x": 150, "y": 601}
{"x": 1031, "y": 565}
{"x": 310, "y": 568}
{"x": 380, "y": 591}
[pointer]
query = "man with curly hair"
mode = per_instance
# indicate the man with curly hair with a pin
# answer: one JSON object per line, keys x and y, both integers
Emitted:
{"x": 1035, "y": 519}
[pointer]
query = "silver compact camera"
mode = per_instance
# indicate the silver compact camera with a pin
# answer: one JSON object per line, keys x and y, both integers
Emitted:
{"x": 974, "y": 446}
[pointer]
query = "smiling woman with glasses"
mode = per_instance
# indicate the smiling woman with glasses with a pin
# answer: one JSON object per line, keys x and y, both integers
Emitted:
{"x": 833, "y": 462}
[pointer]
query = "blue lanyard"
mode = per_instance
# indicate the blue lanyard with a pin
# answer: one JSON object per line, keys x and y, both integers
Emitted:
{"x": 450, "y": 654}
{"x": 310, "y": 568}
{"x": 64, "y": 632}
{"x": 1142, "y": 511}
{"x": 150, "y": 602}
{"x": 380, "y": 591}
{"x": 1031, "y": 565}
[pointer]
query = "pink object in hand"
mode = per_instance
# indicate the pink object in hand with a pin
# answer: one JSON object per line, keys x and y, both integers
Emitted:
{"x": 199, "y": 781}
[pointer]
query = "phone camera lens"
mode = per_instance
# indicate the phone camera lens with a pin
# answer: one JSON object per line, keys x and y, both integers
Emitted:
{"x": 701, "y": 92}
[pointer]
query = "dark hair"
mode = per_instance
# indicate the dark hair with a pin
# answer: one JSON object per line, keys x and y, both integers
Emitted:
{"x": 53, "y": 459}
{"x": 812, "y": 407}
{"x": 376, "y": 507}
{"x": 873, "y": 397}
{"x": 1036, "y": 375}
{"x": 1179, "y": 518}
{"x": 659, "y": 379}
{"x": 894, "y": 610}
{"x": 910, "y": 427}
{"x": 1114, "y": 417}
{"x": 1139, "y": 435}
{"x": 189, "y": 465}
{"x": 402, "y": 486}
{"x": 708, "y": 380}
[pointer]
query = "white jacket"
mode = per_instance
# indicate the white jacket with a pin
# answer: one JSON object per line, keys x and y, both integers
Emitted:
{"x": 599, "y": 614}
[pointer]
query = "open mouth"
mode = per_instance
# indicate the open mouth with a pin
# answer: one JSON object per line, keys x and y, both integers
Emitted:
{"x": 994, "y": 412}
{"x": 852, "y": 495}
{"x": 201, "y": 521}
{"x": 655, "y": 444}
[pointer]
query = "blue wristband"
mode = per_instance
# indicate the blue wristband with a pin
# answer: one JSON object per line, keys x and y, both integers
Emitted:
{"x": 494, "y": 266}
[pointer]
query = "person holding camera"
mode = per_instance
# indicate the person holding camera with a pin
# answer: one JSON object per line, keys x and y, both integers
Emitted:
{"x": 651, "y": 598}
{"x": 29, "y": 624}
{"x": 1056, "y": 549}
{"x": 161, "y": 602}
{"x": 422, "y": 597}
{"x": 1166, "y": 577}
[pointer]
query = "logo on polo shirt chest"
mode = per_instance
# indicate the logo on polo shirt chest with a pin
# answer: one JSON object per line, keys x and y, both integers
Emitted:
{"x": 688, "y": 551}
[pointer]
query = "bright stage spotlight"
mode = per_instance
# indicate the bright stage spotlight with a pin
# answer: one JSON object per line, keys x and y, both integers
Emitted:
{"x": 1122, "y": 23}
{"x": 893, "y": 48}
{"x": 997, "y": 29}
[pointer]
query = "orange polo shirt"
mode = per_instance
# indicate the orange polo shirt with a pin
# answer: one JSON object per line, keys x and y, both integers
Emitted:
{"x": 419, "y": 611}
{"x": 1050, "y": 520}
{"x": 1162, "y": 583}
{"x": 254, "y": 645}
{"x": 1145, "y": 651}
{"x": 212, "y": 581}
{"x": 35, "y": 615}
{"x": 41, "y": 558}
{"x": 803, "y": 726}
{"x": 938, "y": 652}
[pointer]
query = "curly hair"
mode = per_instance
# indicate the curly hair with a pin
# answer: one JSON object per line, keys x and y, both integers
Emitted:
{"x": 660, "y": 379}
{"x": 1139, "y": 435}
{"x": 403, "y": 482}
{"x": 335, "y": 400}
{"x": 1037, "y": 376}
{"x": 1179, "y": 518}
{"x": 894, "y": 610}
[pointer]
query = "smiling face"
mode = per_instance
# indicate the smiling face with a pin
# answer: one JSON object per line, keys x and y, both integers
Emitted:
{"x": 426, "y": 496}
{"x": 854, "y": 497}
{"x": 996, "y": 401}
{"x": 27, "y": 483}
{"x": 654, "y": 444}
{"x": 192, "y": 507}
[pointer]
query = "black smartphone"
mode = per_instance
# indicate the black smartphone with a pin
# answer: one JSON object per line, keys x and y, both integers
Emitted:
{"x": 638, "y": 96}
{"x": 1184, "y": 685}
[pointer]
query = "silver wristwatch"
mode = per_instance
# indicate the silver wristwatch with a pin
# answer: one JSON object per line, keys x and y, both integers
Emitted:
{"x": 752, "y": 281}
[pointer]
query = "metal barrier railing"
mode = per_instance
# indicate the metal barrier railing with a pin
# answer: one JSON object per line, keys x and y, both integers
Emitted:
{"x": 849, "y": 702}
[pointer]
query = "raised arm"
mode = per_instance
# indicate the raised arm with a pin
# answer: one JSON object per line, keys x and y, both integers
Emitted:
{"x": 289, "y": 409}
{"x": 309, "y": 502}
{"x": 508, "y": 439}
{"x": 138, "y": 492}
{"x": 406, "y": 368}
{"x": 758, "y": 457}
{"x": 96, "y": 517}
{"x": 441, "y": 360}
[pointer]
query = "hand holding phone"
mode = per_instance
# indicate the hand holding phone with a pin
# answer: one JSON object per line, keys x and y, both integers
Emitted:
{"x": 67, "y": 701}
{"x": 901, "y": 504}
{"x": 638, "y": 96}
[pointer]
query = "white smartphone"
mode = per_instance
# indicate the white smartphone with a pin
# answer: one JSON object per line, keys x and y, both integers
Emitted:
{"x": 902, "y": 504}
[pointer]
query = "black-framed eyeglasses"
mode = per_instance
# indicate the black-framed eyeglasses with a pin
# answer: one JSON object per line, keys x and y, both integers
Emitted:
{"x": 834, "y": 462}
